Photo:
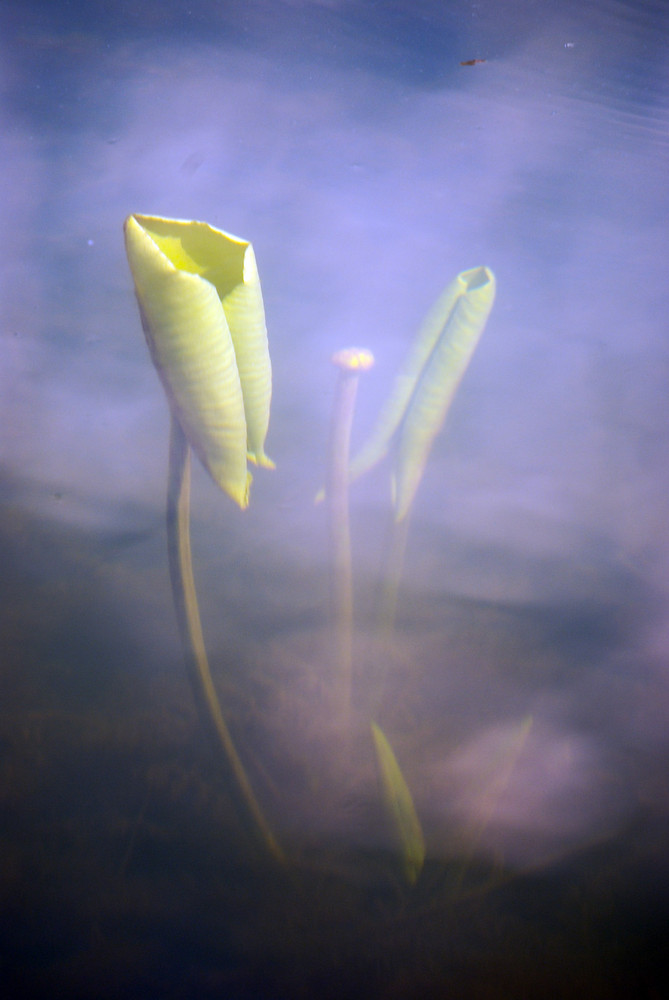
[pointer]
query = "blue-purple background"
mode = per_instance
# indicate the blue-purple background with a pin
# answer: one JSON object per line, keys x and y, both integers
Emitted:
{"x": 368, "y": 167}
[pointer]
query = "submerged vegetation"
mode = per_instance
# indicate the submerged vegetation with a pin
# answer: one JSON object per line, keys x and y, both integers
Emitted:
{"x": 202, "y": 313}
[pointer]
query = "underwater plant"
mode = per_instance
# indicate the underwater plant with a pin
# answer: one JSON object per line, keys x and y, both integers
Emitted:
{"x": 426, "y": 384}
{"x": 350, "y": 361}
{"x": 410, "y": 420}
{"x": 399, "y": 806}
{"x": 202, "y": 313}
{"x": 418, "y": 404}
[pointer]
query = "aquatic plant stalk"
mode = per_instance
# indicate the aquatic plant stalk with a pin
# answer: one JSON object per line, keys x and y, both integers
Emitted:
{"x": 418, "y": 405}
{"x": 392, "y": 576}
{"x": 350, "y": 362}
{"x": 190, "y": 628}
{"x": 202, "y": 313}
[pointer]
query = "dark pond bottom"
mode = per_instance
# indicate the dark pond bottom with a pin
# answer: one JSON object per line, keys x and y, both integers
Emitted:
{"x": 185, "y": 916}
{"x": 125, "y": 874}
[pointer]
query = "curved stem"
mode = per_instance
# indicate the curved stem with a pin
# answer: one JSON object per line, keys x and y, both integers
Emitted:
{"x": 190, "y": 628}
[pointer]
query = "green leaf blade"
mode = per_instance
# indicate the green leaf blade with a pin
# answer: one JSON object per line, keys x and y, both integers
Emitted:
{"x": 438, "y": 383}
{"x": 399, "y": 806}
{"x": 392, "y": 412}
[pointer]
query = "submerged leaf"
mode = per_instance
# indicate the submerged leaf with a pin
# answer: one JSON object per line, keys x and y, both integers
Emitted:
{"x": 425, "y": 386}
{"x": 202, "y": 312}
{"x": 439, "y": 380}
{"x": 399, "y": 806}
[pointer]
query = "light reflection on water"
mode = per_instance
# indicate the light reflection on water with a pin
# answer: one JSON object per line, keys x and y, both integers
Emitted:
{"x": 368, "y": 167}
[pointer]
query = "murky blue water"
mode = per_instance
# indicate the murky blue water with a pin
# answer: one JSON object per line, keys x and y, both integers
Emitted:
{"x": 526, "y": 689}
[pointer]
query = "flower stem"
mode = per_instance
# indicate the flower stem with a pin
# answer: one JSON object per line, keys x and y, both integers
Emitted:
{"x": 190, "y": 628}
{"x": 392, "y": 577}
{"x": 350, "y": 362}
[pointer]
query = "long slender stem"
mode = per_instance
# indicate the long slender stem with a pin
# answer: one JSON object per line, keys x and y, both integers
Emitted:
{"x": 390, "y": 586}
{"x": 351, "y": 362}
{"x": 188, "y": 618}
{"x": 393, "y": 576}
{"x": 340, "y": 534}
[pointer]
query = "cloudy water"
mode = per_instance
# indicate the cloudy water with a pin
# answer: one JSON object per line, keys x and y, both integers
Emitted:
{"x": 370, "y": 151}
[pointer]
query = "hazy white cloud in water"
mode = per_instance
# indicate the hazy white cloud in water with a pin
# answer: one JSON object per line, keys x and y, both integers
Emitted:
{"x": 364, "y": 196}
{"x": 523, "y": 796}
